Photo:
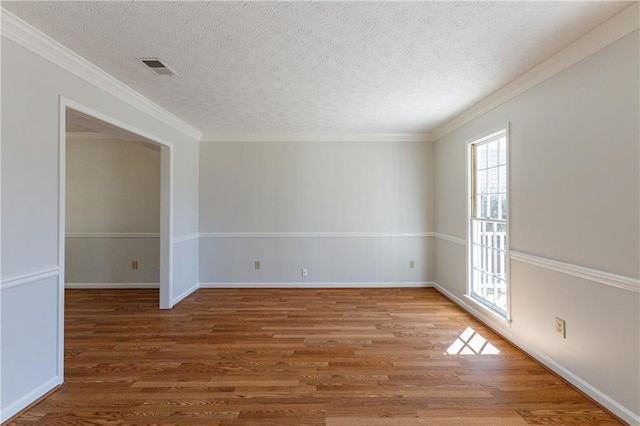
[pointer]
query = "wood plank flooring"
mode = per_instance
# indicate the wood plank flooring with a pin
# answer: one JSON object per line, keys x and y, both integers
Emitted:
{"x": 295, "y": 357}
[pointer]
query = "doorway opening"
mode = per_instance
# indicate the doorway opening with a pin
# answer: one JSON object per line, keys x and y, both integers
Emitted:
{"x": 112, "y": 209}
{"x": 78, "y": 116}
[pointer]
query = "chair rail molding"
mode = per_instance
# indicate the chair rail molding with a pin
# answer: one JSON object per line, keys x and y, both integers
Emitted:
{"x": 316, "y": 235}
{"x": 30, "y": 277}
{"x": 606, "y": 278}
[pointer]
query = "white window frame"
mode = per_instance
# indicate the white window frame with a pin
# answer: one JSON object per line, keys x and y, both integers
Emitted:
{"x": 484, "y": 137}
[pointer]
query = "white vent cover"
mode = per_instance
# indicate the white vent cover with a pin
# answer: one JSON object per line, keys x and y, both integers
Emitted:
{"x": 158, "y": 66}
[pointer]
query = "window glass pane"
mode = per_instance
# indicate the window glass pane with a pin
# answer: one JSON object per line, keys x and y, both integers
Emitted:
{"x": 488, "y": 227}
{"x": 504, "y": 206}
{"x": 492, "y": 148}
{"x": 487, "y": 288}
{"x": 502, "y": 172}
{"x": 482, "y": 204}
{"x": 495, "y": 257}
{"x": 493, "y": 213}
{"x": 493, "y": 180}
{"x": 481, "y": 182}
{"x": 503, "y": 151}
{"x": 481, "y": 156}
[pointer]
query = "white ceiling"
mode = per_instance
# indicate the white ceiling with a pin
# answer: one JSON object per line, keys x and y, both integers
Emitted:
{"x": 316, "y": 67}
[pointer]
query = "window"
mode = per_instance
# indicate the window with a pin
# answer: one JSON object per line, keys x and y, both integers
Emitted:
{"x": 488, "y": 264}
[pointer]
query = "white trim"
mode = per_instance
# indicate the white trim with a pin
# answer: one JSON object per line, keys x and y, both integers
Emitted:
{"x": 400, "y": 284}
{"x": 601, "y": 277}
{"x": 62, "y": 197}
{"x": 483, "y": 138}
{"x": 606, "y": 278}
{"x": 113, "y": 235}
{"x": 450, "y": 238}
{"x": 314, "y": 235}
{"x": 166, "y": 226}
{"x": 112, "y": 285}
{"x": 185, "y": 238}
{"x": 146, "y": 136}
{"x": 318, "y": 137}
{"x": 27, "y": 36}
{"x": 475, "y": 309}
{"x": 16, "y": 406}
{"x": 166, "y": 195}
{"x": 590, "y": 390}
{"x": 31, "y": 277}
{"x": 184, "y": 294}
{"x": 608, "y": 32}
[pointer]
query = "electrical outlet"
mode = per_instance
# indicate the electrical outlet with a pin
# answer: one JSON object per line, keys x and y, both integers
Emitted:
{"x": 256, "y": 264}
{"x": 305, "y": 272}
{"x": 134, "y": 264}
{"x": 561, "y": 328}
{"x": 412, "y": 264}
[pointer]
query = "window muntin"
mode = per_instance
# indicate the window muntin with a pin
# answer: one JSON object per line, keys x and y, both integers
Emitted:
{"x": 488, "y": 252}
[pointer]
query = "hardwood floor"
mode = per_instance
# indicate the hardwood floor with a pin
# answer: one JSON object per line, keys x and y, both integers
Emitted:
{"x": 295, "y": 357}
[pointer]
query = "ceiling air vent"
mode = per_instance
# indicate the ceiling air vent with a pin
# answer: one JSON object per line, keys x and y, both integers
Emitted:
{"x": 157, "y": 66}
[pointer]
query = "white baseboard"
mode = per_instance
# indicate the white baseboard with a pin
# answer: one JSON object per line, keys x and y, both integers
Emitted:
{"x": 184, "y": 294}
{"x": 112, "y": 285}
{"x": 16, "y": 406}
{"x": 590, "y": 390}
{"x": 402, "y": 284}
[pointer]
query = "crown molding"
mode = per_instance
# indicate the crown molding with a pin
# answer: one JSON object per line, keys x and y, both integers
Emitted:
{"x": 608, "y": 32}
{"x": 20, "y": 32}
{"x": 318, "y": 137}
{"x": 603, "y": 35}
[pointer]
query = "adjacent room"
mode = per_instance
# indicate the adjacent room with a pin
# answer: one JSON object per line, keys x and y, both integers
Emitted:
{"x": 331, "y": 213}
{"x": 112, "y": 207}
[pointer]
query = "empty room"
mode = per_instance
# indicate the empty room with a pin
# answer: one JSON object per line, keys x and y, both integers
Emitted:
{"x": 320, "y": 213}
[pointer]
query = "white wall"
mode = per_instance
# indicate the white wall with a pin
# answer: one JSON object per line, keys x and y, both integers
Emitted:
{"x": 342, "y": 210}
{"x": 112, "y": 211}
{"x": 574, "y": 192}
{"x": 31, "y": 87}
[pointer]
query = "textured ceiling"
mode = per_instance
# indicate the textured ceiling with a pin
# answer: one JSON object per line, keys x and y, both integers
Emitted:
{"x": 289, "y": 67}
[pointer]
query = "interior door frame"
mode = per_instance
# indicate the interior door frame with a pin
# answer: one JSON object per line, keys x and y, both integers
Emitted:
{"x": 166, "y": 208}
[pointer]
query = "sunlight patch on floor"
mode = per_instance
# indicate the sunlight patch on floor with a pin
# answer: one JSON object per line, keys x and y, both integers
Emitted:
{"x": 471, "y": 343}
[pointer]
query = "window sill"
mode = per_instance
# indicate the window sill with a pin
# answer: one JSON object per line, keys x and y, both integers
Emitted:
{"x": 485, "y": 309}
